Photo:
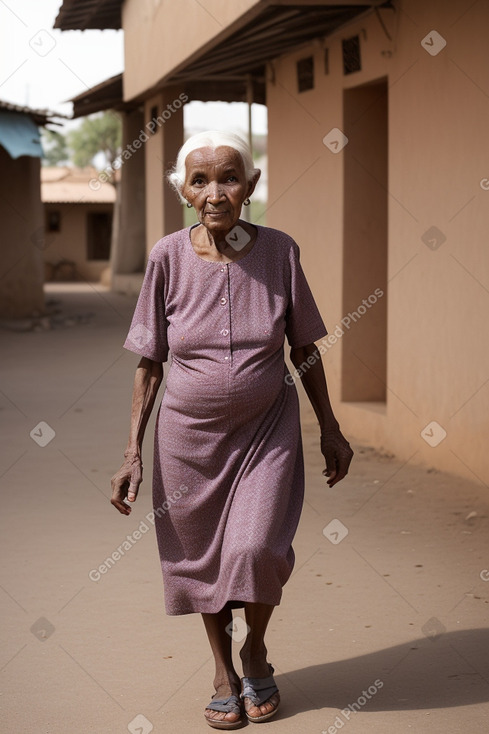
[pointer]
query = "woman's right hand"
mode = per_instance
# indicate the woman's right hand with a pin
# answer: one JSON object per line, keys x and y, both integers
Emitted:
{"x": 125, "y": 483}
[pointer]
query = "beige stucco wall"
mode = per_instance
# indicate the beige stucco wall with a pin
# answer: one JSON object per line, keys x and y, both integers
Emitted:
{"x": 161, "y": 34}
{"x": 438, "y": 300}
{"x": 437, "y": 120}
{"x": 21, "y": 270}
{"x": 163, "y": 209}
{"x": 70, "y": 243}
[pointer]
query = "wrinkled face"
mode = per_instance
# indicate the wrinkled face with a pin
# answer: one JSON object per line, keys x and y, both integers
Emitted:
{"x": 216, "y": 186}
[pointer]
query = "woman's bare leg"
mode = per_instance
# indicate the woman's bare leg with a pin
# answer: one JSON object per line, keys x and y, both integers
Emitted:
{"x": 226, "y": 681}
{"x": 254, "y": 653}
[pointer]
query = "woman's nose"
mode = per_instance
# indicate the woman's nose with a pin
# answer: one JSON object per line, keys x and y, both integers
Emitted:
{"x": 214, "y": 192}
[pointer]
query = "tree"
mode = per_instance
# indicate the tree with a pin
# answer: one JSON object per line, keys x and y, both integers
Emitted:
{"x": 54, "y": 147}
{"x": 96, "y": 134}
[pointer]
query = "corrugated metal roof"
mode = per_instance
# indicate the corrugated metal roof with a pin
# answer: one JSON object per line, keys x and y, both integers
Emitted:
{"x": 40, "y": 117}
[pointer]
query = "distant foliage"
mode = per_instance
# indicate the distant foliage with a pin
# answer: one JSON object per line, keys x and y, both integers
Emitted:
{"x": 55, "y": 148}
{"x": 97, "y": 134}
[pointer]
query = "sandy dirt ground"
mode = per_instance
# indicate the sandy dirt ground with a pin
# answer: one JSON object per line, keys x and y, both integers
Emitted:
{"x": 383, "y": 624}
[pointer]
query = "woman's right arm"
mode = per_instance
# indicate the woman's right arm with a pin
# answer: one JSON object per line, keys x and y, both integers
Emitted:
{"x": 125, "y": 483}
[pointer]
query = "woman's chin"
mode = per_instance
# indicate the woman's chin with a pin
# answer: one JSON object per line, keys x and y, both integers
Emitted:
{"x": 221, "y": 224}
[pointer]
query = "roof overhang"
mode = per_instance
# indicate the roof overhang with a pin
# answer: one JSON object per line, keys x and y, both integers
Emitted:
{"x": 104, "y": 96}
{"x": 82, "y": 15}
{"x": 19, "y": 129}
{"x": 232, "y": 66}
{"x": 19, "y": 135}
{"x": 269, "y": 30}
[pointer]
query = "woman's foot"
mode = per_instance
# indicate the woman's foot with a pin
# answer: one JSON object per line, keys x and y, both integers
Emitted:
{"x": 264, "y": 711}
{"x": 259, "y": 681}
{"x": 229, "y": 697}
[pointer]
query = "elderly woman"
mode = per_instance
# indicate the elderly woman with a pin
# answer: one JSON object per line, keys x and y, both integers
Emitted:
{"x": 228, "y": 480}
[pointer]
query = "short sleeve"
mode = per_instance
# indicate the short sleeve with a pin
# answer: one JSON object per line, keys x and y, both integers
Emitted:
{"x": 304, "y": 324}
{"x": 148, "y": 333}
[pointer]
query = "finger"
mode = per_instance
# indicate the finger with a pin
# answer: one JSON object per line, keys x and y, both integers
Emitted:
{"x": 330, "y": 459}
{"x": 332, "y": 479}
{"x": 121, "y": 506}
{"x": 133, "y": 490}
{"x": 341, "y": 471}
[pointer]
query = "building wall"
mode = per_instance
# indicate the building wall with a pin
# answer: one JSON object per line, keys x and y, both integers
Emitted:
{"x": 70, "y": 243}
{"x": 437, "y": 296}
{"x": 163, "y": 208}
{"x": 22, "y": 242}
{"x": 184, "y": 25}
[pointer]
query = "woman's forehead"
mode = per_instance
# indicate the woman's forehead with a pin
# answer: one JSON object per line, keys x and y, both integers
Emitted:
{"x": 220, "y": 156}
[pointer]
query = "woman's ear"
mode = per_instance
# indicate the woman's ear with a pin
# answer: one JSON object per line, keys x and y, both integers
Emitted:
{"x": 252, "y": 183}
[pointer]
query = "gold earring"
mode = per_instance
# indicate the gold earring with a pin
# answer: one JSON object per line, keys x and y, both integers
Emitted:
{"x": 247, "y": 202}
{"x": 189, "y": 205}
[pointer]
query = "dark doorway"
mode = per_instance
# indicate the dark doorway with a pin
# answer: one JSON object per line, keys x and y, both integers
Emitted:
{"x": 99, "y": 230}
{"x": 364, "y": 343}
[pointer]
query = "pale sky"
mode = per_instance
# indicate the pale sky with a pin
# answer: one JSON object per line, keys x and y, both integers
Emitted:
{"x": 42, "y": 68}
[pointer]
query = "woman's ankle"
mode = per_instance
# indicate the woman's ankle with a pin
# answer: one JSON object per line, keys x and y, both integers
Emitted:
{"x": 227, "y": 682}
{"x": 255, "y": 663}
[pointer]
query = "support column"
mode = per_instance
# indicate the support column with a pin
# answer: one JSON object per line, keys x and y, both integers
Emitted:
{"x": 164, "y": 212}
{"x": 23, "y": 240}
{"x": 129, "y": 226}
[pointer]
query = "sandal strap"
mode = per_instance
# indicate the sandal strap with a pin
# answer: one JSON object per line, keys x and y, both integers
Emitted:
{"x": 259, "y": 690}
{"x": 228, "y": 705}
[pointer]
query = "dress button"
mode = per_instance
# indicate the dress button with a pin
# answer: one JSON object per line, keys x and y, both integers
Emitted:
{"x": 222, "y": 270}
{"x": 223, "y": 301}
{"x": 224, "y": 332}
{"x": 226, "y": 357}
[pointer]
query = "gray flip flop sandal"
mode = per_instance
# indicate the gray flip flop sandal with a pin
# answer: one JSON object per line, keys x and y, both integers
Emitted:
{"x": 230, "y": 705}
{"x": 259, "y": 690}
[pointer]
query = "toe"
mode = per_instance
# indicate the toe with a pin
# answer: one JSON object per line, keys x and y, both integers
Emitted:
{"x": 220, "y": 715}
{"x": 262, "y": 709}
{"x": 253, "y": 711}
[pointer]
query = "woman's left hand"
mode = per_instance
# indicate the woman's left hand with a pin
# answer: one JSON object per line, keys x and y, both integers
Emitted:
{"x": 338, "y": 455}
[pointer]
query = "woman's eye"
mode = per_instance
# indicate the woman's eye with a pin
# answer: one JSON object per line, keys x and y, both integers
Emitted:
{"x": 232, "y": 178}
{"x": 198, "y": 181}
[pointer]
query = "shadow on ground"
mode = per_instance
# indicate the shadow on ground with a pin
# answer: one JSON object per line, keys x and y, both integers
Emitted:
{"x": 450, "y": 670}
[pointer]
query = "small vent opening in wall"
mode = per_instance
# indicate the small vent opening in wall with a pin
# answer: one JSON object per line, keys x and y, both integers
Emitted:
{"x": 305, "y": 74}
{"x": 351, "y": 55}
{"x": 326, "y": 60}
{"x": 154, "y": 115}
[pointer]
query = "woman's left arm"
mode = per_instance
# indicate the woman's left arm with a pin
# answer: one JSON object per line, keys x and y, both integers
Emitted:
{"x": 334, "y": 446}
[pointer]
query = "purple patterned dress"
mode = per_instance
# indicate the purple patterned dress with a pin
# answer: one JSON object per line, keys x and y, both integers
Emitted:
{"x": 228, "y": 477}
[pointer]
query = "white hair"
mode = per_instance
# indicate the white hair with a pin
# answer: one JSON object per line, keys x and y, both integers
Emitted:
{"x": 210, "y": 139}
